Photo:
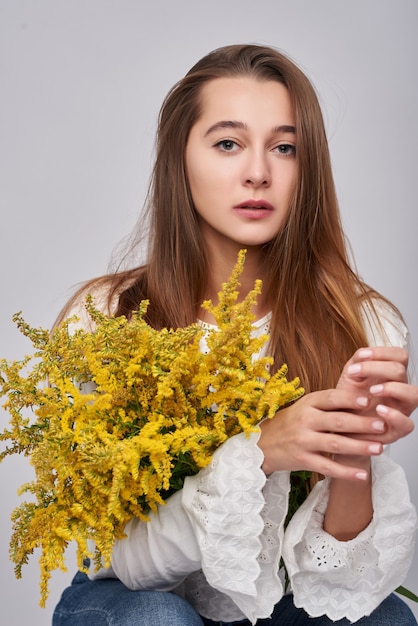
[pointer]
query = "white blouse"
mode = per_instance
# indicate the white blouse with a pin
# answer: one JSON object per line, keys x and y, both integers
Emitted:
{"x": 218, "y": 541}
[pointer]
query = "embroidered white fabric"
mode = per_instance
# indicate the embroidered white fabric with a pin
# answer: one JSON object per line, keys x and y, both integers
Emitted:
{"x": 350, "y": 579}
{"x": 237, "y": 515}
{"x": 235, "y": 527}
{"x": 230, "y": 518}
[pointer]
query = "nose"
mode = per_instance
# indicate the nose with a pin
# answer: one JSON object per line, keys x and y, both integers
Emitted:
{"x": 257, "y": 170}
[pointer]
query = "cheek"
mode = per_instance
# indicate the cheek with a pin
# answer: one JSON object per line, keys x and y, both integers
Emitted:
{"x": 206, "y": 182}
{"x": 292, "y": 184}
{"x": 197, "y": 183}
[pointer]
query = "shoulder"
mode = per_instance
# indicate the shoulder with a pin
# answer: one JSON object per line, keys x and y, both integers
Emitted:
{"x": 384, "y": 324}
{"x": 104, "y": 291}
{"x": 76, "y": 309}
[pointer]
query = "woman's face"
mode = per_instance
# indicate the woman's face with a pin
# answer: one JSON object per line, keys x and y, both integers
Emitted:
{"x": 240, "y": 161}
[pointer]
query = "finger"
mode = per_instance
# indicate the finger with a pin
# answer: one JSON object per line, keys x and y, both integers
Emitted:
{"x": 403, "y": 392}
{"x": 398, "y": 424}
{"x": 328, "y": 467}
{"x": 381, "y": 353}
{"x": 348, "y": 423}
{"x": 378, "y": 370}
{"x": 335, "y": 400}
{"x": 336, "y": 444}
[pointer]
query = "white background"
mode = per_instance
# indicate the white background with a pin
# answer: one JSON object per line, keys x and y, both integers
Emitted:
{"x": 81, "y": 83}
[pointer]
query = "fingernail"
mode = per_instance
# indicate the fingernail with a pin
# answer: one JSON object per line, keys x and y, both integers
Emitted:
{"x": 375, "y": 448}
{"x": 362, "y": 475}
{"x": 378, "y": 425}
{"x": 355, "y": 368}
{"x": 364, "y": 353}
{"x": 362, "y": 401}
{"x": 381, "y": 409}
{"x": 376, "y": 388}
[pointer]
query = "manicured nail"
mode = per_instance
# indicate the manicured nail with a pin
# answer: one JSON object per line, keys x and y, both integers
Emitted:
{"x": 362, "y": 475}
{"x": 362, "y": 401}
{"x": 379, "y": 426}
{"x": 355, "y": 368}
{"x": 376, "y": 388}
{"x": 382, "y": 410}
{"x": 375, "y": 448}
{"x": 364, "y": 353}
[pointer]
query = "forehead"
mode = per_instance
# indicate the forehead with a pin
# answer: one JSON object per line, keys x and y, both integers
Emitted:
{"x": 246, "y": 97}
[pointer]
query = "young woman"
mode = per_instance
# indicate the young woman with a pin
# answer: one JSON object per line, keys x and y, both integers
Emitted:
{"x": 242, "y": 162}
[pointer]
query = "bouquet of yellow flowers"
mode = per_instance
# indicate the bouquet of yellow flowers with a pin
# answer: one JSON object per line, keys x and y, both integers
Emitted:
{"x": 115, "y": 418}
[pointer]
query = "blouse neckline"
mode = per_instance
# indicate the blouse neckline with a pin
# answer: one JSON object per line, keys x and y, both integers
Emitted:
{"x": 256, "y": 324}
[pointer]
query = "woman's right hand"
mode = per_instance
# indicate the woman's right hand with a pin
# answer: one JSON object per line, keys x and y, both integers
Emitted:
{"x": 307, "y": 434}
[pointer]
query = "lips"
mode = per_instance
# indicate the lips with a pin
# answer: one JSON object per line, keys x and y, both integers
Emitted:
{"x": 254, "y": 210}
{"x": 255, "y": 204}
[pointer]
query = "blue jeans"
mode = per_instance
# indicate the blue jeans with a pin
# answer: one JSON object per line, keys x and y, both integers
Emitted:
{"x": 108, "y": 602}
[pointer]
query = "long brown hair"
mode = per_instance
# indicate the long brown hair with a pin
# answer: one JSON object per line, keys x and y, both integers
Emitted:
{"x": 315, "y": 294}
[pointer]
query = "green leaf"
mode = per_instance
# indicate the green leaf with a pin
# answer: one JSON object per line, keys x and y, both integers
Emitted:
{"x": 408, "y": 594}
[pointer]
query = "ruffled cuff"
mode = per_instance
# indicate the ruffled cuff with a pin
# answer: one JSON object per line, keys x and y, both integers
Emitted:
{"x": 350, "y": 579}
{"x": 238, "y": 515}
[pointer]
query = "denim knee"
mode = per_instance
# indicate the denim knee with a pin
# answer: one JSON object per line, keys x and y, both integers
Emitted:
{"x": 393, "y": 610}
{"x": 108, "y": 602}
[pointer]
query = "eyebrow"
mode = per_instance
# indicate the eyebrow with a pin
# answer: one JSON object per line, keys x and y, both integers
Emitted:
{"x": 284, "y": 128}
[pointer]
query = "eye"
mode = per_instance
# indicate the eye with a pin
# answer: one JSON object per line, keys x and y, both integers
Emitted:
{"x": 286, "y": 149}
{"x": 226, "y": 145}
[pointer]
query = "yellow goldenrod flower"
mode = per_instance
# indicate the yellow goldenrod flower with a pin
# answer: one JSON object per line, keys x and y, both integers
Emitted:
{"x": 159, "y": 409}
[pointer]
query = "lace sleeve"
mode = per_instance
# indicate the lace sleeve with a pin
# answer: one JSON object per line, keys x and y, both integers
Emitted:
{"x": 350, "y": 579}
{"x": 238, "y": 515}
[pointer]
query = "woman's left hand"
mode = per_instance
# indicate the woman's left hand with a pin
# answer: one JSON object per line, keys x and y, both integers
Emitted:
{"x": 380, "y": 375}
